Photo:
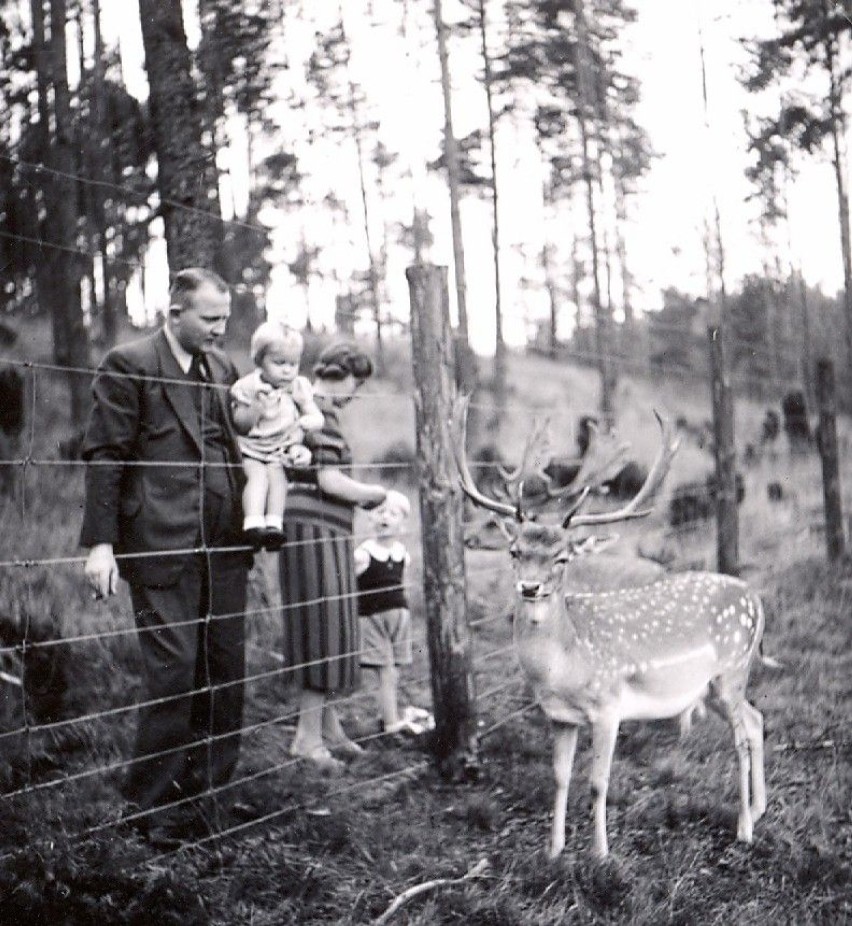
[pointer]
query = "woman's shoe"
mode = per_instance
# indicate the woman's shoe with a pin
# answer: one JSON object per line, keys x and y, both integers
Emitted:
{"x": 320, "y": 757}
{"x": 347, "y": 748}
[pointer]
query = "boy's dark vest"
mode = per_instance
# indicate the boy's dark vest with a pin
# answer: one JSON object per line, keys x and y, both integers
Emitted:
{"x": 380, "y": 587}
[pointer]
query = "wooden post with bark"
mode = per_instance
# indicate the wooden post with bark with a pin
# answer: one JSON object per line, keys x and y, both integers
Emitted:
{"x": 827, "y": 438}
{"x": 448, "y": 634}
{"x": 727, "y": 519}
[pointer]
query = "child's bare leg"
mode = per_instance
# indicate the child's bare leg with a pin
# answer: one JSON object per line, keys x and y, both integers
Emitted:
{"x": 277, "y": 495}
{"x": 388, "y": 677}
{"x": 254, "y": 494}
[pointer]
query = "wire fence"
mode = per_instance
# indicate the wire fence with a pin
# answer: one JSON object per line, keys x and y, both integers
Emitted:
{"x": 104, "y": 725}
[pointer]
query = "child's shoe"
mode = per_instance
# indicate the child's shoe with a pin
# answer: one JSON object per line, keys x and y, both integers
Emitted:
{"x": 273, "y": 539}
{"x": 255, "y": 537}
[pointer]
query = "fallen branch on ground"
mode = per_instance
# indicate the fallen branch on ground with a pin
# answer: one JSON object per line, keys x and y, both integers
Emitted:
{"x": 477, "y": 871}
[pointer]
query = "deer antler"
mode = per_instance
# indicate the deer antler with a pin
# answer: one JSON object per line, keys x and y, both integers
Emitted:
{"x": 458, "y": 434}
{"x": 535, "y": 455}
{"x": 633, "y": 509}
{"x": 603, "y": 458}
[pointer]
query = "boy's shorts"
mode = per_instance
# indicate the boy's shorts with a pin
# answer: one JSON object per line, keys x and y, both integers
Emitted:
{"x": 386, "y": 638}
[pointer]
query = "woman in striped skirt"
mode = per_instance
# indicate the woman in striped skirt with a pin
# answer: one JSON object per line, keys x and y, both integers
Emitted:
{"x": 321, "y": 632}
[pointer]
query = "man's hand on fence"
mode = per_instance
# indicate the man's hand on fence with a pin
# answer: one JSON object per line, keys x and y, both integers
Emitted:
{"x": 102, "y": 571}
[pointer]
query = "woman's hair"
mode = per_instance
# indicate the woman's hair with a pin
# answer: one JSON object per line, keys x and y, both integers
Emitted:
{"x": 274, "y": 334}
{"x": 342, "y": 359}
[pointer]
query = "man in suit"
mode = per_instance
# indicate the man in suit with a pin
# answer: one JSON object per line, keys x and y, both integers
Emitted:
{"x": 163, "y": 511}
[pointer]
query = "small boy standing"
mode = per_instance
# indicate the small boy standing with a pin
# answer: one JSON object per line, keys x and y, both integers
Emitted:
{"x": 380, "y": 563}
{"x": 272, "y": 407}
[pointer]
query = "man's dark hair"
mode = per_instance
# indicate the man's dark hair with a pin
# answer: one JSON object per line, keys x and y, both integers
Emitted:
{"x": 341, "y": 359}
{"x": 185, "y": 282}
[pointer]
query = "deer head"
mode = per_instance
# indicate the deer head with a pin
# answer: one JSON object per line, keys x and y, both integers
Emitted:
{"x": 535, "y": 545}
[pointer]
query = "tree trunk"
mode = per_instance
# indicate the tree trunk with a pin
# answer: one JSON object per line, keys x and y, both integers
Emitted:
{"x": 620, "y": 196}
{"x": 836, "y": 122}
{"x": 454, "y": 743}
{"x": 553, "y": 302}
{"x": 807, "y": 350}
{"x": 103, "y": 155}
{"x": 602, "y": 321}
{"x": 465, "y": 362}
{"x": 451, "y": 156}
{"x": 186, "y": 174}
{"x": 70, "y": 337}
{"x": 44, "y": 267}
{"x": 499, "y": 379}
{"x": 357, "y": 134}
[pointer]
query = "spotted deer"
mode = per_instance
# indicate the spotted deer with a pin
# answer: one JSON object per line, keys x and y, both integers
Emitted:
{"x": 642, "y": 653}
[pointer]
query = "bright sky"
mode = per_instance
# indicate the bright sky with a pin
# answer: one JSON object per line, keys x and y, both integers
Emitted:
{"x": 699, "y": 157}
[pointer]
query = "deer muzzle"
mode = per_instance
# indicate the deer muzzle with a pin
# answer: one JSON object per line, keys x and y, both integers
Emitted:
{"x": 531, "y": 591}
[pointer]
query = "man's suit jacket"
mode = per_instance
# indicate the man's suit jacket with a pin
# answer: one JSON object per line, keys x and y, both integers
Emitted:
{"x": 144, "y": 413}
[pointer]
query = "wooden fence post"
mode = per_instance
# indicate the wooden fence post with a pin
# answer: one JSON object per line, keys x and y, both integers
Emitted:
{"x": 727, "y": 519}
{"x": 827, "y": 437}
{"x": 455, "y": 743}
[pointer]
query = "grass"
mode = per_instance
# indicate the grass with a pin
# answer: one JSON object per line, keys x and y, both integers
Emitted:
{"x": 338, "y": 850}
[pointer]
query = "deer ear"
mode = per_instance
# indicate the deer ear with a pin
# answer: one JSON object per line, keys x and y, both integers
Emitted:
{"x": 583, "y": 547}
{"x": 599, "y": 544}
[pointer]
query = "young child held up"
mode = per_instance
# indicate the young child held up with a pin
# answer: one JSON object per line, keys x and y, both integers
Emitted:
{"x": 272, "y": 407}
{"x": 380, "y": 564}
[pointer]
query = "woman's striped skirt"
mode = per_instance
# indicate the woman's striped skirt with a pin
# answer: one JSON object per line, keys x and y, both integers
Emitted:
{"x": 321, "y": 628}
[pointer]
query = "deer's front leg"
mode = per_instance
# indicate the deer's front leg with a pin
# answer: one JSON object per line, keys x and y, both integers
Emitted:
{"x": 604, "y": 733}
{"x": 564, "y": 745}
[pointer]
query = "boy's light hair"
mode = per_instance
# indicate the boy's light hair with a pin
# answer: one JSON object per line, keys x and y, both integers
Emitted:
{"x": 274, "y": 334}
{"x": 395, "y": 499}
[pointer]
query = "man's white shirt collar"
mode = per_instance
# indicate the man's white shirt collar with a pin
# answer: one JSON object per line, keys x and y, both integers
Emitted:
{"x": 183, "y": 357}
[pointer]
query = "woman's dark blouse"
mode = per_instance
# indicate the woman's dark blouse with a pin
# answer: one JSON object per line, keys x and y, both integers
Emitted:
{"x": 305, "y": 500}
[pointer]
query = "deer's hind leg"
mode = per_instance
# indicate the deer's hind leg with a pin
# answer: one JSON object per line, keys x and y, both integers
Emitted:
{"x": 564, "y": 747}
{"x": 604, "y": 734}
{"x": 753, "y": 720}
{"x": 729, "y": 701}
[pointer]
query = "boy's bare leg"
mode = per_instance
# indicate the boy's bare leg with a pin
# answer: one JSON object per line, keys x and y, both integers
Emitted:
{"x": 388, "y": 677}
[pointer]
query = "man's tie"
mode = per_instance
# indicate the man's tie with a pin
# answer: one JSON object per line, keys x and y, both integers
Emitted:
{"x": 198, "y": 371}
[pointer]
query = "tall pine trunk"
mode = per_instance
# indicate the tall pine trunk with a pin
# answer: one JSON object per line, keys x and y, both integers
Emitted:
{"x": 499, "y": 379}
{"x": 70, "y": 336}
{"x": 465, "y": 363}
{"x": 602, "y": 320}
{"x": 186, "y": 172}
{"x": 103, "y": 166}
{"x": 358, "y": 137}
{"x": 836, "y": 122}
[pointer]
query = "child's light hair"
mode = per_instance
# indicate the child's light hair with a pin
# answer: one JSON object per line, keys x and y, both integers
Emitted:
{"x": 397, "y": 500}
{"x": 274, "y": 334}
